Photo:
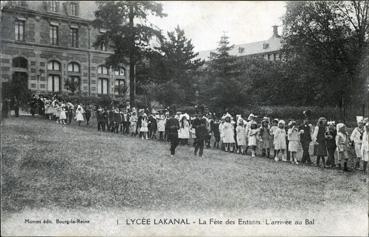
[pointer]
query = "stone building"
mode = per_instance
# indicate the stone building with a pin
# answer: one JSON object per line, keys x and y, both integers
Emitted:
{"x": 269, "y": 49}
{"x": 49, "y": 46}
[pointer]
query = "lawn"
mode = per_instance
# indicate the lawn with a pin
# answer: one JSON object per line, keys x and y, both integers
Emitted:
{"x": 45, "y": 165}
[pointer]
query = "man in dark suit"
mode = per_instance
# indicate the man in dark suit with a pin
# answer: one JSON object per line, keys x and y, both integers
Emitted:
{"x": 172, "y": 127}
{"x": 305, "y": 139}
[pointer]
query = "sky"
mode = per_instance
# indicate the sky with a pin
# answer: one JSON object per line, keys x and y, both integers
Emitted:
{"x": 204, "y": 22}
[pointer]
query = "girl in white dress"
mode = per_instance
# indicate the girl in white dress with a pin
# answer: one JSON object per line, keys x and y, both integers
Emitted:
{"x": 133, "y": 123}
{"x": 293, "y": 141}
{"x": 79, "y": 114}
{"x": 144, "y": 127}
{"x": 252, "y": 135}
{"x": 63, "y": 115}
{"x": 241, "y": 136}
{"x": 161, "y": 126}
{"x": 228, "y": 133}
{"x": 280, "y": 140}
{"x": 184, "y": 129}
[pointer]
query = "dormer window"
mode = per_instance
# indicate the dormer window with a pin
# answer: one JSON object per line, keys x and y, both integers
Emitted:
{"x": 74, "y": 9}
{"x": 265, "y": 45}
{"x": 53, "y": 6}
{"x": 241, "y": 50}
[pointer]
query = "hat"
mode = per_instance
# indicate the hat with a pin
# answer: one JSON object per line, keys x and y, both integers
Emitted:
{"x": 331, "y": 123}
{"x": 291, "y": 123}
{"x": 281, "y": 122}
{"x": 339, "y": 126}
{"x": 251, "y": 116}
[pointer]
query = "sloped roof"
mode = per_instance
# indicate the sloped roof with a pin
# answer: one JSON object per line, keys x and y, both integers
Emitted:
{"x": 259, "y": 47}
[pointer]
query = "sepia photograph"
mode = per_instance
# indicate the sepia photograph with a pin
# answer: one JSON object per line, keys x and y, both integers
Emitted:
{"x": 184, "y": 118}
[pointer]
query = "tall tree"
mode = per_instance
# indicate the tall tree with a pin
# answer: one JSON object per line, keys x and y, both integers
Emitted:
{"x": 325, "y": 39}
{"x": 180, "y": 60}
{"x": 128, "y": 31}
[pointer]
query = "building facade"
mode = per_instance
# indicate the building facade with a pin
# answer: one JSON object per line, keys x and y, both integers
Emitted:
{"x": 49, "y": 45}
{"x": 269, "y": 49}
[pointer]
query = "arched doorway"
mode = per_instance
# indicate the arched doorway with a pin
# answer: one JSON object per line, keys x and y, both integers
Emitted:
{"x": 19, "y": 82}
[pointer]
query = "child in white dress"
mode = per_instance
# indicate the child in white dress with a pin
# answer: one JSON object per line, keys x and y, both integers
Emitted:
{"x": 144, "y": 127}
{"x": 293, "y": 141}
{"x": 241, "y": 136}
{"x": 253, "y": 133}
{"x": 228, "y": 133}
{"x": 79, "y": 115}
{"x": 280, "y": 141}
{"x": 63, "y": 115}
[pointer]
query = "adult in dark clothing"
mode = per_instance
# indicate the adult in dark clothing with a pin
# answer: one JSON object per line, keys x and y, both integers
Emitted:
{"x": 100, "y": 120}
{"x": 105, "y": 119}
{"x": 319, "y": 137}
{"x": 5, "y": 108}
{"x": 111, "y": 120}
{"x": 172, "y": 127}
{"x": 16, "y": 106}
{"x": 117, "y": 120}
{"x": 41, "y": 106}
{"x": 33, "y": 105}
{"x": 201, "y": 134}
{"x": 305, "y": 139}
{"x": 125, "y": 122}
{"x": 152, "y": 127}
{"x": 215, "y": 129}
{"x": 87, "y": 113}
{"x": 330, "y": 138}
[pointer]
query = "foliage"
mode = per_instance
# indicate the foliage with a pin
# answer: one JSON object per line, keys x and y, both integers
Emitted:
{"x": 325, "y": 41}
{"x": 72, "y": 85}
{"x": 128, "y": 32}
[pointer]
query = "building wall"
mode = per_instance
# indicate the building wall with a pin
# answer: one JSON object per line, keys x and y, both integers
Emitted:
{"x": 37, "y": 49}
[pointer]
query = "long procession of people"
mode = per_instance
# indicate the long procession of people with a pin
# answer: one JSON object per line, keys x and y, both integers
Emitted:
{"x": 264, "y": 137}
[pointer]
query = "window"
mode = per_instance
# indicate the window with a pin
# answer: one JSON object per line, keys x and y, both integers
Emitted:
{"x": 119, "y": 72}
{"x": 119, "y": 86}
{"x": 268, "y": 56}
{"x": 74, "y": 9}
{"x": 241, "y": 50}
{"x": 19, "y": 30}
{"x": 102, "y": 86}
{"x": 54, "y": 5}
{"x": 53, "y": 83}
{"x": 74, "y": 37}
{"x": 53, "y": 66}
{"x": 102, "y": 70}
{"x": 103, "y": 46}
{"x": 265, "y": 45}
{"x": 54, "y": 35}
{"x": 73, "y": 84}
{"x": 20, "y": 62}
{"x": 73, "y": 67}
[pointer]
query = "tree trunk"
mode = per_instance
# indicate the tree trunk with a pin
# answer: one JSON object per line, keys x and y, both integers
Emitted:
{"x": 132, "y": 81}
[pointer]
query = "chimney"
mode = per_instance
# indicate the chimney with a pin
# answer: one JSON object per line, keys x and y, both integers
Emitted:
{"x": 275, "y": 31}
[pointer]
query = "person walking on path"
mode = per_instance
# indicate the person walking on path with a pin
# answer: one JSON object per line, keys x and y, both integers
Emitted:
{"x": 172, "y": 127}
{"x": 201, "y": 132}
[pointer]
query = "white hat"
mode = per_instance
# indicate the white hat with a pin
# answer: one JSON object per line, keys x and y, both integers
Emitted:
{"x": 339, "y": 126}
{"x": 331, "y": 122}
{"x": 251, "y": 116}
{"x": 281, "y": 121}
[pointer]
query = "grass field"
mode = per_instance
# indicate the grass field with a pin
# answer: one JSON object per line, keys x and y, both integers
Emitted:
{"x": 47, "y": 165}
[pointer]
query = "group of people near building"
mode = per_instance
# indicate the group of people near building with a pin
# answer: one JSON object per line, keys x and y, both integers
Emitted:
{"x": 265, "y": 137}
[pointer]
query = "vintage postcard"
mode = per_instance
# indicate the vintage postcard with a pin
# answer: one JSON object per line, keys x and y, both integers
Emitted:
{"x": 184, "y": 118}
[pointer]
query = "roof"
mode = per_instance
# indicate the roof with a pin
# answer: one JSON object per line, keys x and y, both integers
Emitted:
{"x": 260, "y": 47}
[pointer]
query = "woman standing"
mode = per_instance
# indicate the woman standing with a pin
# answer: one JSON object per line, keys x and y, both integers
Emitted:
{"x": 319, "y": 139}
{"x": 79, "y": 114}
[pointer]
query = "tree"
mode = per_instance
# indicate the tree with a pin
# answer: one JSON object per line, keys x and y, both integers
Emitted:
{"x": 128, "y": 31}
{"x": 180, "y": 62}
{"x": 325, "y": 40}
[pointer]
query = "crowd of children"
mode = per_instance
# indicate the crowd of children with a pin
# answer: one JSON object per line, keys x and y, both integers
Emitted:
{"x": 274, "y": 139}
